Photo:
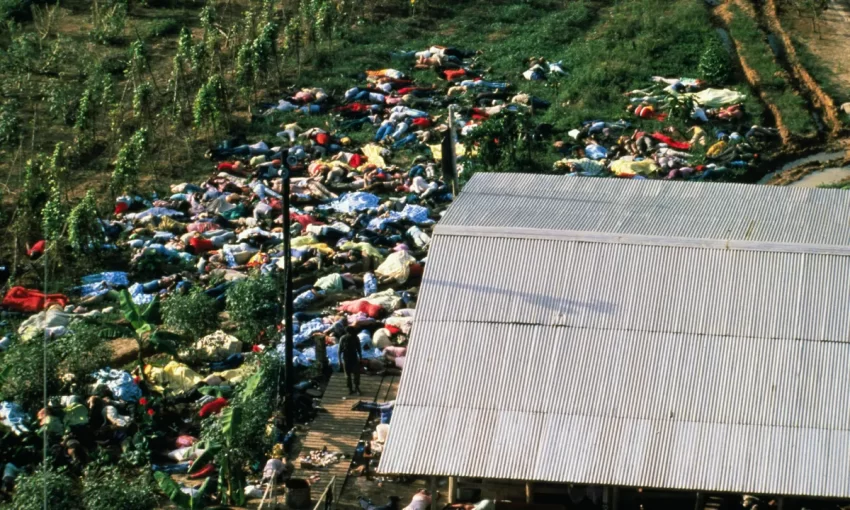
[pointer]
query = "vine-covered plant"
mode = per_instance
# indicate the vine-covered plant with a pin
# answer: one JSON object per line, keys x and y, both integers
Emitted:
{"x": 125, "y": 176}
{"x": 84, "y": 231}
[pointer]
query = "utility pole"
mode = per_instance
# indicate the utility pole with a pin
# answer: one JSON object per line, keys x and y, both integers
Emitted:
{"x": 289, "y": 411}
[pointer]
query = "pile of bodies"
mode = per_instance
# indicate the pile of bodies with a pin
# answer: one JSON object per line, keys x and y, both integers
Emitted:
{"x": 361, "y": 218}
{"x": 709, "y": 148}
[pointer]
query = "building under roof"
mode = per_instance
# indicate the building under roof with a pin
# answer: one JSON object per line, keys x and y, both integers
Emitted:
{"x": 671, "y": 335}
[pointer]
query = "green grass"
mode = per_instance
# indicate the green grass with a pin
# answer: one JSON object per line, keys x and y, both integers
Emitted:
{"x": 774, "y": 82}
{"x": 607, "y": 47}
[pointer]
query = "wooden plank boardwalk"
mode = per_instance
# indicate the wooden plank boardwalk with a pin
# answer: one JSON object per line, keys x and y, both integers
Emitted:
{"x": 339, "y": 428}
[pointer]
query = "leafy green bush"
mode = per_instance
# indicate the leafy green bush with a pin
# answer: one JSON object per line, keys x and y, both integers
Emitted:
{"x": 61, "y": 491}
{"x": 505, "y": 144}
{"x": 162, "y": 27}
{"x": 15, "y": 9}
{"x": 193, "y": 313}
{"x": 10, "y": 125}
{"x": 252, "y": 304}
{"x": 24, "y": 380}
{"x": 84, "y": 350}
{"x": 715, "y": 66}
{"x": 105, "y": 488}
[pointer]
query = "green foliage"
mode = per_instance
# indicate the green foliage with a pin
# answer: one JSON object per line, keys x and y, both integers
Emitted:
{"x": 715, "y": 66}
{"x": 252, "y": 304}
{"x": 85, "y": 112}
{"x": 24, "y": 380}
{"x": 84, "y": 231}
{"x": 61, "y": 491}
{"x": 245, "y": 70}
{"x": 162, "y": 27}
{"x": 170, "y": 488}
{"x": 53, "y": 213}
{"x": 83, "y": 350}
{"x": 61, "y": 101}
{"x": 209, "y": 103}
{"x": 108, "y": 20}
{"x": 774, "y": 82}
{"x": 14, "y": 9}
{"x": 10, "y": 125}
{"x": 193, "y": 313}
{"x": 142, "y": 95}
{"x": 505, "y": 144}
{"x": 105, "y": 488}
{"x": 125, "y": 176}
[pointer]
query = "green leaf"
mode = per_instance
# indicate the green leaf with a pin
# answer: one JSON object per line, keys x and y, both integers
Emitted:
{"x": 205, "y": 458}
{"x": 163, "y": 341}
{"x": 172, "y": 490}
{"x": 151, "y": 312}
{"x": 216, "y": 391}
{"x": 198, "y": 500}
{"x": 251, "y": 385}
{"x": 132, "y": 314}
{"x": 231, "y": 418}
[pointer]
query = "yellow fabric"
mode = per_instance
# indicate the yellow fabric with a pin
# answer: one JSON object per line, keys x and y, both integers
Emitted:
{"x": 437, "y": 151}
{"x": 716, "y": 149}
{"x": 174, "y": 377}
{"x": 169, "y": 225}
{"x": 236, "y": 375}
{"x": 626, "y": 168}
{"x": 373, "y": 155}
{"x": 365, "y": 248}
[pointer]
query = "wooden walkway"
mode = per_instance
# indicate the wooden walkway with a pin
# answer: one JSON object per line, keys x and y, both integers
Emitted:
{"x": 339, "y": 428}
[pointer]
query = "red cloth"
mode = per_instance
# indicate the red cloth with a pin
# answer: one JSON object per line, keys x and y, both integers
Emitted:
{"x": 673, "y": 144}
{"x": 184, "y": 440}
{"x": 225, "y": 166}
{"x": 20, "y": 299}
{"x": 37, "y": 249}
{"x": 202, "y": 226}
{"x": 361, "y": 306}
{"x": 354, "y": 108}
{"x": 392, "y": 329}
{"x": 416, "y": 269}
{"x": 355, "y": 161}
{"x": 204, "y": 472}
{"x": 454, "y": 74}
{"x": 121, "y": 207}
{"x": 213, "y": 407}
{"x": 304, "y": 219}
{"x": 323, "y": 139}
{"x": 422, "y": 122}
{"x": 201, "y": 245}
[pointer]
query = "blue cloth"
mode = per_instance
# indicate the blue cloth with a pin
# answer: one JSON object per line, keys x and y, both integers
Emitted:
{"x": 181, "y": 468}
{"x": 113, "y": 278}
{"x": 120, "y": 383}
{"x": 137, "y": 293}
{"x": 594, "y": 151}
{"x": 412, "y": 213}
{"x": 353, "y": 202}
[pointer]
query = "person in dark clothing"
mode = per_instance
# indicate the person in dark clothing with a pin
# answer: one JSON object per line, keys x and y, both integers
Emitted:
{"x": 350, "y": 355}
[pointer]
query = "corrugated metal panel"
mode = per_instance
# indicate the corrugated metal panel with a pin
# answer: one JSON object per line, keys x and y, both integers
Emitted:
{"x": 639, "y": 288}
{"x": 674, "y": 209}
{"x": 687, "y": 367}
{"x": 626, "y": 408}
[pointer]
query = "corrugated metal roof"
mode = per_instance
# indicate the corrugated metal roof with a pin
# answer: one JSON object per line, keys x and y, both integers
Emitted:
{"x": 652, "y": 207}
{"x": 546, "y": 348}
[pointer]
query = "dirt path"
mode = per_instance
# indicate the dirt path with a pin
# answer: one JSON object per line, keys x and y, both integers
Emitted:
{"x": 832, "y": 42}
{"x": 816, "y": 94}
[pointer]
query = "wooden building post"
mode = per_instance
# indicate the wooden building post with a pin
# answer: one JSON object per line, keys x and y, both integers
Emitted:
{"x": 434, "y": 493}
{"x": 529, "y": 493}
{"x": 452, "y": 489}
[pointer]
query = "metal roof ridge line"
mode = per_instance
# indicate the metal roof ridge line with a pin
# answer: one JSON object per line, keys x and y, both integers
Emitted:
{"x": 638, "y": 239}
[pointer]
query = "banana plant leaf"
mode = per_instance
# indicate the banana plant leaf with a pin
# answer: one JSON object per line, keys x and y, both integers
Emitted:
{"x": 205, "y": 458}
{"x": 172, "y": 490}
{"x": 231, "y": 419}
{"x": 132, "y": 313}
{"x": 197, "y": 502}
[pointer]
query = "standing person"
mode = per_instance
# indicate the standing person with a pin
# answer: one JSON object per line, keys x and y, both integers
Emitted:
{"x": 350, "y": 355}
{"x": 320, "y": 341}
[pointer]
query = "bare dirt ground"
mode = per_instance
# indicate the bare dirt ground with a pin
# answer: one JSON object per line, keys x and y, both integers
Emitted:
{"x": 831, "y": 39}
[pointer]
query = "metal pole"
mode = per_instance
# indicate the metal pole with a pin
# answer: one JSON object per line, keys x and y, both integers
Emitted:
{"x": 289, "y": 412}
{"x": 454, "y": 149}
